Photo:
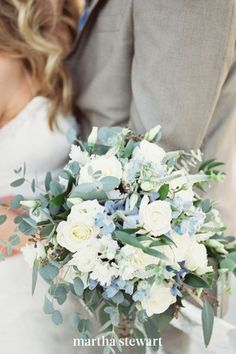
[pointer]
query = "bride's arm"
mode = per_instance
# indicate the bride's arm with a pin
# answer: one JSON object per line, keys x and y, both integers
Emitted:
{"x": 9, "y": 228}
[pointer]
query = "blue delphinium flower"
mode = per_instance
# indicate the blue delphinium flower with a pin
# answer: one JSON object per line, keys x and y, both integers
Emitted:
{"x": 143, "y": 291}
{"x": 92, "y": 284}
{"x": 191, "y": 224}
{"x": 116, "y": 286}
{"x": 175, "y": 291}
{"x": 179, "y": 206}
{"x": 105, "y": 223}
{"x": 112, "y": 206}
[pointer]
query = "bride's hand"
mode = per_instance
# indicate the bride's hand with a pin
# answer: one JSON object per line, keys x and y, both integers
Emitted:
{"x": 9, "y": 227}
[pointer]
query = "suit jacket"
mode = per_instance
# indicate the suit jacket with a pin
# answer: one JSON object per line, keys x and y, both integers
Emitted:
{"x": 142, "y": 63}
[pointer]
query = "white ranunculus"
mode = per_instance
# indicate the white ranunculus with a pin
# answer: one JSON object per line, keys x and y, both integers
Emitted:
{"x": 76, "y": 154}
{"x": 149, "y": 152}
{"x": 159, "y": 301}
{"x": 107, "y": 166}
{"x": 155, "y": 217}
{"x": 33, "y": 252}
{"x": 196, "y": 259}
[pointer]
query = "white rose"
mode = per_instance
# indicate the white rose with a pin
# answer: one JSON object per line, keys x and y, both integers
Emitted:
{"x": 196, "y": 259}
{"x": 89, "y": 208}
{"x": 71, "y": 234}
{"x": 107, "y": 166}
{"x": 155, "y": 217}
{"x": 176, "y": 253}
{"x": 149, "y": 152}
{"x": 159, "y": 301}
{"x": 32, "y": 252}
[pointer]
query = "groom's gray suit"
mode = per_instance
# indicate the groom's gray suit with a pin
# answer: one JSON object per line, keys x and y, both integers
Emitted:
{"x": 172, "y": 62}
{"x": 169, "y": 62}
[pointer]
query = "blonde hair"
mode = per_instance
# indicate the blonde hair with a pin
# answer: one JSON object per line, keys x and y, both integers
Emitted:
{"x": 28, "y": 33}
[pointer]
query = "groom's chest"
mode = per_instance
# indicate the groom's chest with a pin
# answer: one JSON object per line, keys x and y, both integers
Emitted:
{"x": 143, "y": 63}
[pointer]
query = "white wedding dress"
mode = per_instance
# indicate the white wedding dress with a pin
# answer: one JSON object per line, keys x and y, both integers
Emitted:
{"x": 24, "y": 328}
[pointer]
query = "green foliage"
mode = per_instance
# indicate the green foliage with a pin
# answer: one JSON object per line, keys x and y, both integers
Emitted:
{"x": 12, "y": 241}
{"x": 55, "y": 188}
{"x": 48, "y": 308}
{"x": 16, "y": 201}
{"x": 28, "y": 226}
{"x": 108, "y": 135}
{"x": 34, "y": 276}
{"x": 57, "y": 318}
{"x": 48, "y": 272}
{"x": 207, "y": 322}
{"x": 78, "y": 286}
{"x": 3, "y": 218}
{"x": 18, "y": 182}
{"x": 133, "y": 241}
{"x": 195, "y": 281}
{"x": 229, "y": 262}
{"x": 163, "y": 191}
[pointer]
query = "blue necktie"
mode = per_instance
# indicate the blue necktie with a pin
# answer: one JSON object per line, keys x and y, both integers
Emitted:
{"x": 83, "y": 18}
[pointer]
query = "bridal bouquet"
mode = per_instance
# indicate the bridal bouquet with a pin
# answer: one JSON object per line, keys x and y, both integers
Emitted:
{"x": 126, "y": 231}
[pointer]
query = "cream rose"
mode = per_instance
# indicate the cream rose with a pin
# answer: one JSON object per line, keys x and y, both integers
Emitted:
{"x": 149, "y": 152}
{"x": 155, "y": 217}
{"x": 159, "y": 301}
{"x": 71, "y": 234}
{"x": 107, "y": 166}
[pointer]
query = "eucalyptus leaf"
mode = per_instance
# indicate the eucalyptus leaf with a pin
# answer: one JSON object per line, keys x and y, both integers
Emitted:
{"x": 48, "y": 272}
{"x": 48, "y": 180}
{"x": 18, "y": 183}
{"x": 207, "y": 322}
{"x": 34, "y": 276}
{"x": 48, "y": 308}
{"x": 57, "y": 318}
{"x": 78, "y": 286}
{"x": 109, "y": 183}
{"x": 228, "y": 264}
{"x": 195, "y": 281}
{"x": 3, "y": 218}
{"x": 28, "y": 226}
{"x": 16, "y": 201}
{"x": 14, "y": 240}
{"x": 55, "y": 188}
